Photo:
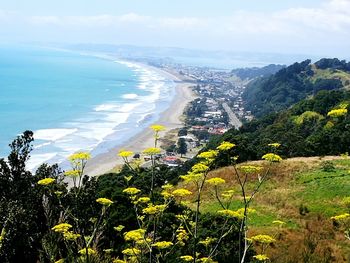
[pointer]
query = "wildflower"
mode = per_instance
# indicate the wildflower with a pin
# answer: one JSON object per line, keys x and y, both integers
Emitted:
{"x": 104, "y": 201}
{"x": 131, "y": 251}
{"x": 181, "y": 236}
{"x": 181, "y": 192}
{"x": 225, "y": 146}
{"x": 199, "y": 168}
{"x": 152, "y": 151}
{"x": 143, "y": 200}
{"x": 250, "y": 169}
{"x": 278, "y": 222}
{"x": 162, "y": 244}
{"x": 328, "y": 125}
{"x": 228, "y": 194}
{"x": 274, "y": 145}
{"x": 187, "y": 258}
{"x": 134, "y": 235}
{"x": 231, "y": 213}
{"x": 119, "y": 261}
{"x": 70, "y": 236}
{"x": 125, "y": 154}
{"x": 72, "y": 173}
{"x": 337, "y": 113}
{"x": 153, "y": 209}
{"x": 90, "y": 251}
{"x": 207, "y": 241}
{"x": 340, "y": 217}
{"x": 46, "y": 181}
{"x": 261, "y": 257}
{"x": 211, "y": 154}
{"x": 264, "y": 239}
{"x": 346, "y": 201}
{"x": 167, "y": 186}
{"x": 79, "y": 156}
{"x": 131, "y": 191}
{"x": 62, "y": 228}
{"x": 215, "y": 181}
{"x": 157, "y": 127}
{"x": 119, "y": 228}
{"x": 192, "y": 177}
{"x": 271, "y": 157}
{"x": 206, "y": 260}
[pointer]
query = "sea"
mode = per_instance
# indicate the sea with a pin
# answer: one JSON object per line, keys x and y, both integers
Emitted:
{"x": 75, "y": 102}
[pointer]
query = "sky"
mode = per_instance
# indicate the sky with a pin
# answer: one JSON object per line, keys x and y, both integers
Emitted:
{"x": 319, "y": 27}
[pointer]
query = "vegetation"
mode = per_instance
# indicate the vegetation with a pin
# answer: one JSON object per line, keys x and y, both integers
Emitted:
{"x": 252, "y": 73}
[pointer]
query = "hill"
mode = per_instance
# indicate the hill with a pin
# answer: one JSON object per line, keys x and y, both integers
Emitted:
{"x": 294, "y": 83}
{"x": 252, "y": 73}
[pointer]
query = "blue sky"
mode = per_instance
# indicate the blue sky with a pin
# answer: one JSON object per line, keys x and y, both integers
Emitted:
{"x": 320, "y": 27}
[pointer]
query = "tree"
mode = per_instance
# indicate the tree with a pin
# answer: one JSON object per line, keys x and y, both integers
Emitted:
{"x": 181, "y": 146}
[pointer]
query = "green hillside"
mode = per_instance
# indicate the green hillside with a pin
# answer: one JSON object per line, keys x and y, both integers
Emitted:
{"x": 294, "y": 83}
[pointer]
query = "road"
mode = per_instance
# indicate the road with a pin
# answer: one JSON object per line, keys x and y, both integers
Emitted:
{"x": 234, "y": 121}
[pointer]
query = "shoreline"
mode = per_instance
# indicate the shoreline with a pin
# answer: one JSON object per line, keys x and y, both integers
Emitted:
{"x": 170, "y": 118}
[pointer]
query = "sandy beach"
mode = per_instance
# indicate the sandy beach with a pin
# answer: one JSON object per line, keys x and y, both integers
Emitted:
{"x": 170, "y": 118}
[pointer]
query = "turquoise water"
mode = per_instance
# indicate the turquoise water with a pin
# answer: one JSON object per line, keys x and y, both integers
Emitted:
{"x": 75, "y": 102}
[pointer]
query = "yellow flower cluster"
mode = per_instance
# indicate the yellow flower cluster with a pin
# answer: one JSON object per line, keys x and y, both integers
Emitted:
{"x": 152, "y": 151}
{"x": 215, "y": 181}
{"x": 228, "y": 194}
{"x": 62, "y": 228}
{"x": 119, "y": 261}
{"x": 192, "y": 177}
{"x": 337, "y": 113}
{"x": 206, "y": 260}
{"x": 72, "y": 173}
{"x": 162, "y": 244}
{"x": 261, "y": 257}
{"x": 143, "y": 200}
{"x": 186, "y": 258}
{"x": 125, "y": 154}
{"x": 274, "y": 145}
{"x": 46, "y": 181}
{"x": 153, "y": 209}
{"x": 271, "y": 157}
{"x": 165, "y": 193}
{"x": 181, "y": 236}
{"x": 131, "y": 191}
{"x": 225, "y": 146}
{"x": 79, "y": 156}
{"x": 199, "y": 168}
{"x": 340, "y": 217}
{"x": 207, "y": 241}
{"x": 181, "y": 192}
{"x": 131, "y": 251}
{"x": 90, "y": 251}
{"x": 264, "y": 239}
{"x": 231, "y": 213}
{"x": 211, "y": 154}
{"x": 157, "y": 127}
{"x": 119, "y": 228}
{"x": 70, "y": 236}
{"x": 135, "y": 235}
{"x": 250, "y": 169}
{"x": 104, "y": 201}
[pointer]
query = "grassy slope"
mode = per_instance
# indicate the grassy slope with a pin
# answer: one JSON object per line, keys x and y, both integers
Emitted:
{"x": 294, "y": 183}
{"x": 331, "y": 74}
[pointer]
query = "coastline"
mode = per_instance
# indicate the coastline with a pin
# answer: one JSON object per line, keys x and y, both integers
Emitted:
{"x": 170, "y": 118}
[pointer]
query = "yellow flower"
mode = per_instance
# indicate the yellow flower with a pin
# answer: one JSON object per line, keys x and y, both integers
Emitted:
{"x": 125, "y": 154}
{"x": 340, "y": 217}
{"x": 181, "y": 236}
{"x": 62, "y": 228}
{"x": 215, "y": 181}
{"x": 207, "y": 260}
{"x": 192, "y": 177}
{"x": 119, "y": 228}
{"x": 134, "y": 235}
{"x": 144, "y": 200}
{"x": 167, "y": 186}
{"x": 250, "y": 168}
{"x": 90, "y": 251}
{"x": 152, "y": 151}
{"x": 162, "y": 244}
{"x": 131, "y": 191}
{"x": 199, "y": 168}
{"x": 187, "y": 258}
{"x": 70, "y": 236}
{"x": 104, "y": 201}
{"x": 72, "y": 173}
{"x": 231, "y": 213}
{"x": 131, "y": 251}
{"x": 264, "y": 239}
{"x": 271, "y": 157}
{"x": 207, "y": 241}
{"x": 60, "y": 260}
{"x": 278, "y": 222}
{"x": 274, "y": 145}
{"x": 119, "y": 261}
{"x": 337, "y": 113}
{"x": 157, "y": 128}
{"x": 211, "y": 154}
{"x": 46, "y": 181}
{"x": 228, "y": 194}
{"x": 225, "y": 146}
{"x": 79, "y": 156}
{"x": 153, "y": 209}
{"x": 261, "y": 257}
{"x": 181, "y": 192}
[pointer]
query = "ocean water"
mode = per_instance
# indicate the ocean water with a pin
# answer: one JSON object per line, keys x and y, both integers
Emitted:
{"x": 74, "y": 101}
